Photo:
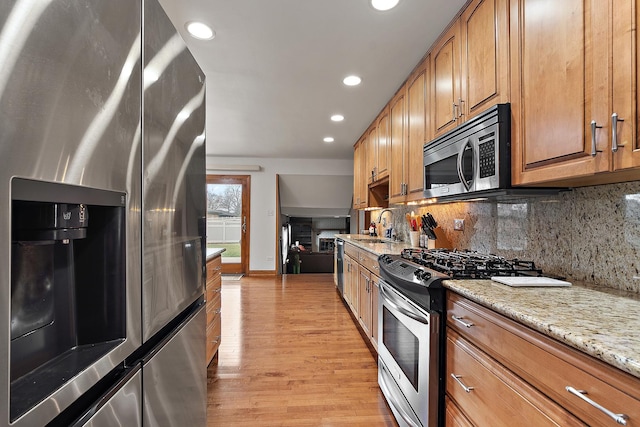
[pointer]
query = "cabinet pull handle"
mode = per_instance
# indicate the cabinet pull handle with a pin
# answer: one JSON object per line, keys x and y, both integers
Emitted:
{"x": 594, "y": 126}
{"x": 618, "y": 418}
{"x": 461, "y": 103}
{"x": 614, "y": 131}
{"x": 457, "y": 378}
{"x": 455, "y": 115}
{"x": 462, "y": 322}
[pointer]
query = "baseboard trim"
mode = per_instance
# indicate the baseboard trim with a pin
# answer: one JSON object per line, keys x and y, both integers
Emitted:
{"x": 261, "y": 273}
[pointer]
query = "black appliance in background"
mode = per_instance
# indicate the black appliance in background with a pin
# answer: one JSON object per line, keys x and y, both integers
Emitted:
{"x": 68, "y": 285}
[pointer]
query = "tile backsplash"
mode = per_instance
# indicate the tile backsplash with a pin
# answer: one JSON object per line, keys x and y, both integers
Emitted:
{"x": 589, "y": 234}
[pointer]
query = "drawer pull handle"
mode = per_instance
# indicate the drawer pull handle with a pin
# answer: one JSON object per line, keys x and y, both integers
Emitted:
{"x": 457, "y": 378}
{"x": 618, "y": 418}
{"x": 462, "y": 322}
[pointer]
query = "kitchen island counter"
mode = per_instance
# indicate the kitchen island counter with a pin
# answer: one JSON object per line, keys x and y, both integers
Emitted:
{"x": 214, "y": 252}
{"x": 601, "y": 322}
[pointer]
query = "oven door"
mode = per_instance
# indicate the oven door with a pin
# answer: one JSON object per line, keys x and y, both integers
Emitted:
{"x": 408, "y": 358}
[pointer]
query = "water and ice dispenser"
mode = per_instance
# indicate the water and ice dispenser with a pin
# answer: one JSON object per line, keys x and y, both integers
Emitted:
{"x": 68, "y": 276}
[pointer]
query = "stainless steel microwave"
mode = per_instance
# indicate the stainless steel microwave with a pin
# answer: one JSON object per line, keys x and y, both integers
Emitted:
{"x": 472, "y": 160}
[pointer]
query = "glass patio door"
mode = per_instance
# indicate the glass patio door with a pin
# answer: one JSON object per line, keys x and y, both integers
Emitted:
{"x": 228, "y": 220}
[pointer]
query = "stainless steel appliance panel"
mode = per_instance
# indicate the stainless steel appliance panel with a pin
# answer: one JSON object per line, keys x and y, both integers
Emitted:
{"x": 174, "y": 184}
{"x": 70, "y": 112}
{"x": 408, "y": 351}
{"x": 123, "y": 408}
{"x": 175, "y": 378}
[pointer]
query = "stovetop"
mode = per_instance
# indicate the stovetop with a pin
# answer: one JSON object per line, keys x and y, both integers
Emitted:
{"x": 418, "y": 273}
{"x": 466, "y": 264}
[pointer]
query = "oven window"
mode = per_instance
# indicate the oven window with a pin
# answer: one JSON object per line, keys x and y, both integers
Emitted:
{"x": 402, "y": 344}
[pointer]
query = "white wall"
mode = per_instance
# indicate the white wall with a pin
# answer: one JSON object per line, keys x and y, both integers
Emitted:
{"x": 262, "y": 245}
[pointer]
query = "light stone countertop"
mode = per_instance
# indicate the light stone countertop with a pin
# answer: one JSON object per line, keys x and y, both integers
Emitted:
{"x": 602, "y": 322}
{"x": 373, "y": 245}
{"x": 214, "y": 252}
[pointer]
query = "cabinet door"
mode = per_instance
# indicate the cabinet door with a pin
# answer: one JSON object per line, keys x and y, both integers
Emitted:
{"x": 558, "y": 86}
{"x": 625, "y": 80}
{"x": 356, "y": 176}
{"x": 364, "y": 303}
{"x": 372, "y": 155}
{"x": 346, "y": 292}
{"x": 359, "y": 175}
{"x": 417, "y": 131}
{"x": 383, "y": 143}
{"x": 375, "y": 294}
{"x": 397, "y": 114}
{"x": 445, "y": 58}
{"x": 354, "y": 297}
{"x": 485, "y": 55}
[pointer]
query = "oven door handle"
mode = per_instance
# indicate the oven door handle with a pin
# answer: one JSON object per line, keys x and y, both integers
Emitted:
{"x": 398, "y": 304}
{"x": 386, "y": 377}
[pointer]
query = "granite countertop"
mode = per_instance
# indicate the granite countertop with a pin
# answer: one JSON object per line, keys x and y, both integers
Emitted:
{"x": 214, "y": 252}
{"x": 602, "y": 322}
{"x": 376, "y": 245}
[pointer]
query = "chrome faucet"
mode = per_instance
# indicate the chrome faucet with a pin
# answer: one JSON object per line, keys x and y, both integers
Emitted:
{"x": 384, "y": 223}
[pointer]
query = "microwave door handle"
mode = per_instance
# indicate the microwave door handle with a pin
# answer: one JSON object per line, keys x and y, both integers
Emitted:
{"x": 464, "y": 182}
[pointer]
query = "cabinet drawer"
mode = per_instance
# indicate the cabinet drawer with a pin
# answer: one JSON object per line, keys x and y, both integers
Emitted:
{"x": 351, "y": 250}
{"x": 453, "y": 416}
{"x": 214, "y": 268}
{"x": 213, "y": 337}
{"x": 548, "y": 365}
{"x": 213, "y": 307}
{"x": 369, "y": 261}
{"x": 495, "y": 397}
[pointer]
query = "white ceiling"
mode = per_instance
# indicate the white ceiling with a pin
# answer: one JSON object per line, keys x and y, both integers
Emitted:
{"x": 275, "y": 68}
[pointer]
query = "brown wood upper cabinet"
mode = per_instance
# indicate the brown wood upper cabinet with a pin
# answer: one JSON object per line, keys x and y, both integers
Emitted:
{"x": 397, "y": 138}
{"x": 470, "y": 70}
{"x": 383, "y": 144}
{"x": 574, "y": 98}
{"x": 409, "y": 131}
{"x": 378, "y": 148}
{"x": 360, "y": 192}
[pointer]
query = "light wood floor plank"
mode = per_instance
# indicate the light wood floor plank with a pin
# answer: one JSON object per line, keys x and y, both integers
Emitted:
{"x": 291, "y": 356}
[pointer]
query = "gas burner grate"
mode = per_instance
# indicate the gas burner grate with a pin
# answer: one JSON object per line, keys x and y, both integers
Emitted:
{"x": 465, "y": 264}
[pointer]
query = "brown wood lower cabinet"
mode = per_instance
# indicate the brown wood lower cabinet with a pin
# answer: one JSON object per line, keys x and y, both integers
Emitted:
{"x": 517, "y": 376}
{"x": 361, "y": 290}
{"x": 214, "y": 306}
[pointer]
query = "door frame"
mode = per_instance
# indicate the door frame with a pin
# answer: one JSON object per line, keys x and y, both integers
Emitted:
{"x": 245, "y": 181}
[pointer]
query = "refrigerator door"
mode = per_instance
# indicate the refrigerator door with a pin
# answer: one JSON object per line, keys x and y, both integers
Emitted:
{"x": 173, "y": 162}
{"x": 120, "y": 406}
{"x": 70, "y": 98}
{"x": 175, "y": 377}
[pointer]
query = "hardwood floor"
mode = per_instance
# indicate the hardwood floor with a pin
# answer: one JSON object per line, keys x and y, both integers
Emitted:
{"x": 291, "y": 356}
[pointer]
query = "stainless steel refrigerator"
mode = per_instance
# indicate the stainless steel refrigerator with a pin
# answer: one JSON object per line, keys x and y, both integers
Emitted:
{"x": 102, "y": 190}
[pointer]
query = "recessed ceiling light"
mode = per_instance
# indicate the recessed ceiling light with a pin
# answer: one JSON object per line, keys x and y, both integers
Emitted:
{"x": 352, "y": 80}
{"x": 328, "y": 139}
{"x": 337, "y": 117}
{"x": 199, "y": 30}
{"x": 384, "y": 4}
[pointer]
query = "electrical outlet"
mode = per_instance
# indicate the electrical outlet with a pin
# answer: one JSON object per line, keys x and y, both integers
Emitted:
{"x": 458, "y": 224}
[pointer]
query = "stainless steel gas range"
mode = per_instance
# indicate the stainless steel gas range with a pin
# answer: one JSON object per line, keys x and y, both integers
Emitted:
{"x": 411, "y": 324}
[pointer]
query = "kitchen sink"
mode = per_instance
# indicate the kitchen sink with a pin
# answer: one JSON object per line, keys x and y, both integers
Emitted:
{"x": 372, "y": 240}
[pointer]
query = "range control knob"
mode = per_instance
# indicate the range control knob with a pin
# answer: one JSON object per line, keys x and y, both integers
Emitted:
{"x": 422, "y": 275}
{"x": 385, "y": 258}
